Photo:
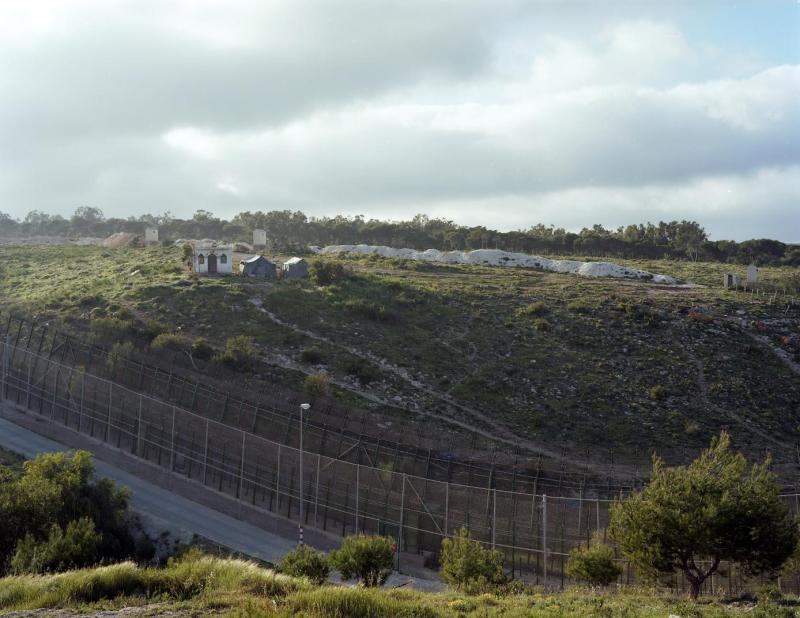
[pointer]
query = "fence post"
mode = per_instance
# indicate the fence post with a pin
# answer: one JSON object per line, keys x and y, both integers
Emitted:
{"x": 205, "y": 456}
{"x": 358, "y": 482}
{"x": 597, "y": 515}
{"x": 108, "y": 417}
{"x": 241, "y": 469}
{"x": 172, "y": 443}
{"x": 446, "y": 507}
{"x": 400, "y": 528}
{"x": 494, "y": 516}
{"x": 139, "y": 428}
{"x": 544, "y": 535}
{"x": 316, "y": 491}
{"x": 6, "y": 367}
{"x": 80, "y": 408}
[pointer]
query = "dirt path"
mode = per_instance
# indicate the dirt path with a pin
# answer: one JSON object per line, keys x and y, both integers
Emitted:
{"x": 504, "y": 435}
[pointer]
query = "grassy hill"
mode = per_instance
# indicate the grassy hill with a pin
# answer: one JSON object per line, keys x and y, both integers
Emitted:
{"x": 585, "y": 369}
{"x": 203, "y": 585}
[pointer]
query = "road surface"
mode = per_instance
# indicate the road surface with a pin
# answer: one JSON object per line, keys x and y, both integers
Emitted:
{"x": 164, "y": 510}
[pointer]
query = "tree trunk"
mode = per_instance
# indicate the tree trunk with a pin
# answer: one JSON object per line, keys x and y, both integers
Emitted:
{"x": 694, "y": 588}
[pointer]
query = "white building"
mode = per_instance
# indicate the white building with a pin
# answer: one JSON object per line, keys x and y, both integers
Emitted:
{"x": 150, "y": 235}
{"x": 259, "y": 238}
{"x": 211, "y": 258}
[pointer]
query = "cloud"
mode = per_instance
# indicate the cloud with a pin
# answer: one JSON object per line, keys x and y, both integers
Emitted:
{"x": 388, "y": 108}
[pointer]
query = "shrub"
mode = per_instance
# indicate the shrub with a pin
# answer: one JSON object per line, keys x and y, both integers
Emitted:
{"x": 594, "y": 564}
{"x": 312, "y": 355}
{"x": 108, "y": 330}
{"x": 153, "y": 328}
{"x": 317, "y": 384}
{"x": 187, "y": 252}
{"x": 171, "y": 342}
{"x": 74, "y": 547}
{"x": 537, "y": 308}
{"x": 371, "y": 311}
{"x": 326, "y": 272}
{"x": 305, "y": 562}
{"x": 201, "y": 349}
{"x": 364, "y": 371}
{"x": 118, "y": 352}
{"x": 657, "y": 393}
{"x": 541, "y": 325}
{"x": 467, "y": 565}
{"x": 368, "y": 558}
{"x": 240, "y": 353}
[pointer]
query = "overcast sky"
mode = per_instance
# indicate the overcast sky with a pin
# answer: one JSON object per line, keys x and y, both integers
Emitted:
{"x": 499, "y": 113}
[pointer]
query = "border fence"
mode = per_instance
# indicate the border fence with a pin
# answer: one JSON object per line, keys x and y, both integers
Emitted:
{"x": 535, "y": 530}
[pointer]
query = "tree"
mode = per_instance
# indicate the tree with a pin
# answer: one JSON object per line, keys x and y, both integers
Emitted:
{"x": 369, "y": 558}
{"x": 467, "y": 565}
{"x": 593, "y": 564}
{"x": 690, "y": 518}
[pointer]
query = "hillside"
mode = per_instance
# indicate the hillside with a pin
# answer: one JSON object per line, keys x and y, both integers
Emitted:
{"x": 587, "y": 370}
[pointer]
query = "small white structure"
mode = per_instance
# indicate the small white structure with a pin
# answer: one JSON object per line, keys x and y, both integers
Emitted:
{"x": 151, "y": 235}
{"x": 259, "y": 238}
{"x": 752, "y": 274}
{"x": 211, "y": 258}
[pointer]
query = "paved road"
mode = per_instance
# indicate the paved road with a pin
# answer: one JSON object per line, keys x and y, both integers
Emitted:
{"x": 164, "y": 509}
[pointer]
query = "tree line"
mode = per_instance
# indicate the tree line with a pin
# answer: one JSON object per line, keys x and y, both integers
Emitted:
{"x": 293, "y": 231}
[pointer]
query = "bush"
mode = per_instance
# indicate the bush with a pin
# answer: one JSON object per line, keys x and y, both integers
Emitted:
{"x": 537, "y": 308}
{"x": 305, "y": 562}
{"x": 364, "y": 371}
{"x": 312, "y": 355}
{"x": 108, "y": 330}
{"x": 326, "y": 272}
{"x": 468, "y": 566}
{"x": 317, "y": 385}
{"x": 118, "y": 352}
{"x": 371, "y": 311}
{"x": 201, "y": 349}
{"x": 240, "y": 353}
{"x": 541, "y": 325}
{"x": 594, "y": 564}
{"x": 368, "y": 558}
{"x": 657, "y": 393}
{"x": 75, "y": 547}
{"x": 171, "y": 342}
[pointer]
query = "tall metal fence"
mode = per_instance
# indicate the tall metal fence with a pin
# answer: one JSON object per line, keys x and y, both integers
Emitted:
{"x": 535, "y": 531}
{"x": 341, "y": 432}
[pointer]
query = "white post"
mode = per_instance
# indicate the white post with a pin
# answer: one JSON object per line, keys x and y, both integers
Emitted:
{"x": 494, "y": 516}
{"x": 205, "y": 455}
{"x": 303, "y": 408}
{"x": 544, "y": 535}
{"x": 400, "y": 529}
{"x": 316, "y": 491}
{"x": 139, "y": 429}
{"x": 446, "y": 507}
{"x": 241, "y": 469}
{"x": 358, "y": 479}
{"x": 172, "y": 443}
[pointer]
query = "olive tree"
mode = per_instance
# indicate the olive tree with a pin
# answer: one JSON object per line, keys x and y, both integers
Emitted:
{"x": 690, "y": 518}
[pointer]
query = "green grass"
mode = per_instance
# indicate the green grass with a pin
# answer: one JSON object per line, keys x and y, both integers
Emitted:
{"x": 199, "y": 585}
{"x": 557, "y": 359}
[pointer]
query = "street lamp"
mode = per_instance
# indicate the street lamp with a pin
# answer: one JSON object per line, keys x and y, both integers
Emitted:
{"x": 304, "y": 407}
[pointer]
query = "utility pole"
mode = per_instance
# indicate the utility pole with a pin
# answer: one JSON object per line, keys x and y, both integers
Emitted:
{"x": 303, "y": 408}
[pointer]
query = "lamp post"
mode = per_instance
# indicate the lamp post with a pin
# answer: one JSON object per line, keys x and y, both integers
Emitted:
{"x": 304, "y": 407}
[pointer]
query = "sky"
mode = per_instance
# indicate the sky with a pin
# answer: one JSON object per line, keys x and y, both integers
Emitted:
{"x": 504, "y": 113}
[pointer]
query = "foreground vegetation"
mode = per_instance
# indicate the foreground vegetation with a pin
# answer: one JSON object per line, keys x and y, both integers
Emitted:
{"x": 196, "y": 584}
